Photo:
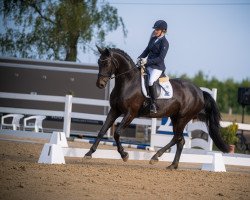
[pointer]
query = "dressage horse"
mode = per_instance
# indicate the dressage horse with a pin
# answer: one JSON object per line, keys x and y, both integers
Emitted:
{"x": 188, "y": 102}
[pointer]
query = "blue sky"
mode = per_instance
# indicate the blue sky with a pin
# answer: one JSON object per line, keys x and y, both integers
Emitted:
{"x": 212, "y": 38}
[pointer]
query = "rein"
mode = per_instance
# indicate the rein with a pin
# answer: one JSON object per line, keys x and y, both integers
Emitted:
{"x": 122, "y": 73}
{"x": 116, "y": 66}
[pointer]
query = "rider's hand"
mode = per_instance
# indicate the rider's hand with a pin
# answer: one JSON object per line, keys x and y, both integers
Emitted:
{"x": 141, "y": 61}
{"x": 138, "y": 62}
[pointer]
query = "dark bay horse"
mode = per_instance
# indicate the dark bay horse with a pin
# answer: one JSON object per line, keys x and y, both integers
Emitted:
{"x": 188, "y": 102}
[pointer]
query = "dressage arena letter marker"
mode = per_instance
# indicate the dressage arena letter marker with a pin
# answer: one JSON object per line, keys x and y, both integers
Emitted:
{"x": 59, "y": 138}
{"x": 52, "y": 154}
{"x": 217, "y": 164}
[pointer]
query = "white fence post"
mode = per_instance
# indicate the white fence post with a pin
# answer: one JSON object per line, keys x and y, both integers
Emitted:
{"x": 153, "y": 126}
{"x": 67, "y": 115}
{"x": 153, "y": 130}
{"x": 214, "y": 93}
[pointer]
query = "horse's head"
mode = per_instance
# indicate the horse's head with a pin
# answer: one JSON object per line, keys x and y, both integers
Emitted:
{"x": 106, "y": 67}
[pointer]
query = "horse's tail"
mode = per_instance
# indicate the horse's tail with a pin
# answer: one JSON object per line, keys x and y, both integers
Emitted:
{"x": 212, "y": 119}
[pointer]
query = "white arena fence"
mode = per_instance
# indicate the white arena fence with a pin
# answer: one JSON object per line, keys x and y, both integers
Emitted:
{"x": 67, "y": 113}
{"x": 212, "y": 161}
{"x": 69, "y": 101}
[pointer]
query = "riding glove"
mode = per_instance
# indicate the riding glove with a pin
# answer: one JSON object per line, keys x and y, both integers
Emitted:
{"x": 141, "y": 61}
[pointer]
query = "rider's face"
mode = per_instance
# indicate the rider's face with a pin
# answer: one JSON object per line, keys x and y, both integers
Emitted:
{"x": 157, "y": 32}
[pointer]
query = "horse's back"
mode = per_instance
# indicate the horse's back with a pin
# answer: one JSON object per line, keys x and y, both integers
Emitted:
{"x": 185, "y": 86}
{"x": 187, "y": 93}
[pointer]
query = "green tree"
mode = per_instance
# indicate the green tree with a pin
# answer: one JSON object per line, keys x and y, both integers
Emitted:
{"x": 227, "y": 95}
{"x": 54, "y": 29}
{"x": 200, "y": 80}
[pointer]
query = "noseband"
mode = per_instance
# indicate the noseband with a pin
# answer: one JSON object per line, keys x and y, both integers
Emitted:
{"x": 115, "y": 62}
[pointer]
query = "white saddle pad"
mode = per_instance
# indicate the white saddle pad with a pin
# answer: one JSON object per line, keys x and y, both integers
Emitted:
{"x": 166, "y": 89}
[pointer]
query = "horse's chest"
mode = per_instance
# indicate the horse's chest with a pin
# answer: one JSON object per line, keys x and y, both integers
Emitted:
{"x": 127, "y": 97}
{"x": 122, "y": 104}
{"x": 119, "y": 102}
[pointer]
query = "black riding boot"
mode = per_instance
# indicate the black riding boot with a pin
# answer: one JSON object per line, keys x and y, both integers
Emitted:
{"x": 153, "y": 96}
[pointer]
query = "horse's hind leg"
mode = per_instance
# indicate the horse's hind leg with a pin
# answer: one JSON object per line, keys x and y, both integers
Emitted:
{"x": 124, "y": 123}
{"x": 177, "y": 139}
{"x": 180, "y": 145}
{"x": 112, "y": 116}
{"x": 159, "y": 153}
{"x": 178, "y": 127}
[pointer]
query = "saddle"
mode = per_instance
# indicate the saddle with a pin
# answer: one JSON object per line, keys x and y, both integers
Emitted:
{"x": 163, "y": 86}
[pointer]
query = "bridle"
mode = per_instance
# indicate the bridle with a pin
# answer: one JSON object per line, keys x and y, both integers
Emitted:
{"x": 115, "y": 62}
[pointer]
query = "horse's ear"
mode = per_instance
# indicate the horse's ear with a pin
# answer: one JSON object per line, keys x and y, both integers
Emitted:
{"x": 100, "y": 49}
{"x": 107, "y": 52}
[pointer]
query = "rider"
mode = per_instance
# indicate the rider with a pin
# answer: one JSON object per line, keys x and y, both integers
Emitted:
{"x": 153, "y": 58}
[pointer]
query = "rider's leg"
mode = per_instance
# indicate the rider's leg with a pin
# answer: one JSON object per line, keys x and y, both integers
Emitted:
{"x": 154, "y": 74}
{"x": 153, "y": 97}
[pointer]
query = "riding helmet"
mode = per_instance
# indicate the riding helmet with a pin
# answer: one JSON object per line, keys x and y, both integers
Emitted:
{"x": 160, "y": 24}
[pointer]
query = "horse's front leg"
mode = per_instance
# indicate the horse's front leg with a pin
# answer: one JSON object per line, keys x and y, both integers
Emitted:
{"x": 112, "y": 116}
{"x": 124, "y": 123}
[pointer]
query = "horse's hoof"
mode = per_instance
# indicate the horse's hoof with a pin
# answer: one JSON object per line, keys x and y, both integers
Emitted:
{"x": 88, "y": 155}
{"x": 153, "y": 160}
{"x": 172, "y": 166}
{"x": 125, "y": 157}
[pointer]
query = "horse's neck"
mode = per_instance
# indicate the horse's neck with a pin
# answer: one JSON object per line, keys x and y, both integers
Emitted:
{"x": 126, "y": 71}
{"x": 123, "y": 65}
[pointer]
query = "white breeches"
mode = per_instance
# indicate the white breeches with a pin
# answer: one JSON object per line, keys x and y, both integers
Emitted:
{"x": 154, "y": 74}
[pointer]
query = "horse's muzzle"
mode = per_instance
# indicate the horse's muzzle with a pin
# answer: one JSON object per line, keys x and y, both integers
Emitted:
{"x": 101, "y": 82}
